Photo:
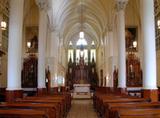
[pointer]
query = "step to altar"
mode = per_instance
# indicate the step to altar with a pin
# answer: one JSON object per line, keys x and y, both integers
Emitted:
{"x": 82, "y": 95}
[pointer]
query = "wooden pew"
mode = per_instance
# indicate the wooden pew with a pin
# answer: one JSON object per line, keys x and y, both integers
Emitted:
{"x": 48, "y": 98}
{"x": 123, "y": 106}
{"x": 137, "y": 113}
{"x": 118, "y": 100}
{"x": 113, "y": 107}
{"x": 50, "y": 109}
{"x": 59, "y": 102}
{"x": 66, "y": 98}
{"x": 102, "y": 99}
{"x": 143, "y": 116}
{"x": 51, "y": 106}
{"x": 22, "y": 113}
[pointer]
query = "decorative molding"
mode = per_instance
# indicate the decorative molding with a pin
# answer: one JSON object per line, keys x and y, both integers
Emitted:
{"x": 110, "y": 27}
{"x": 52, "y": 28}
{"x": 121, "y": 4}
{"x": 43, "y": 4}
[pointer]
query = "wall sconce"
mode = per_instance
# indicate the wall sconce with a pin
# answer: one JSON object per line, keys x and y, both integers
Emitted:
{"x": 134, "y": 44}
{"x": 3, "y": 25}
{"x": 29, "y": 44}
{"x": 158, "y": 24}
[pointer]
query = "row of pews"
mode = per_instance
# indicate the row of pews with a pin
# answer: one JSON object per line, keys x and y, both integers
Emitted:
{"x": 110, "y": 105}
{"x": 49, "y": 106}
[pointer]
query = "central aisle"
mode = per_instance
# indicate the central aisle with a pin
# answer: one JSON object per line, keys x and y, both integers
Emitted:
{"x": 82, "y": 109}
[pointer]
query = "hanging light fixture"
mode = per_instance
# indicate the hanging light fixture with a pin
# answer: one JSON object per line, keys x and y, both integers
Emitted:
{"x": 3, "y": 25}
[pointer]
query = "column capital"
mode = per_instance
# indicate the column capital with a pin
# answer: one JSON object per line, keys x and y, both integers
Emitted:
{"x": 52, "y": 28}
{"x": 43, "y": 4}
{"x": 54, "y": 32}
{"x": 121, "y": 4}
{"x": 110, "y": 27}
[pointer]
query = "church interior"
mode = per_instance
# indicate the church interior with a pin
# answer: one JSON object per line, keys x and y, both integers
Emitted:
{"x": 80, "y": 58}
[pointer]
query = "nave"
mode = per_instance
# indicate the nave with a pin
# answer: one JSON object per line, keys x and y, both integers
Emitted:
{"x": 51, "y": 49}
{"x": 82, "y": 109}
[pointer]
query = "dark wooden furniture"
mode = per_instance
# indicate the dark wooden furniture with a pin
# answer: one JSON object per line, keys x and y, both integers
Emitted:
{"x": 1, "y": 54}
{"x": 29, "y": 72}
{"x": 81, "y": 73}
{"x": 133, "y": 71}
{"x": 112, "y": 105}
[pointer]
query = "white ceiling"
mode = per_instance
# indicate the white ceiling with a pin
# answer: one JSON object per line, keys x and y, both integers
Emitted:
{"x": 94, "y": 17}
{"x": 69, "y": 17}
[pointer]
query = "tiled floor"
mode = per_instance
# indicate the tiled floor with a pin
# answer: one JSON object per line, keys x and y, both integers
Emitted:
{"x": 82, "y": 109}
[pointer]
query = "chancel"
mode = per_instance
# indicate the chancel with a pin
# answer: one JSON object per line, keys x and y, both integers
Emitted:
{"x": 79, "y": 58}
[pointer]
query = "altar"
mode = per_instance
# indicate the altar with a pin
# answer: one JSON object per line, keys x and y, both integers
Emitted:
{"x": 81, "y": 88}
{"x": 81, "y": 91}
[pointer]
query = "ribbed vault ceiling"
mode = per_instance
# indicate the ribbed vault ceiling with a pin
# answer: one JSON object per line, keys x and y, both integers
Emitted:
{"x": 90, "y": 16}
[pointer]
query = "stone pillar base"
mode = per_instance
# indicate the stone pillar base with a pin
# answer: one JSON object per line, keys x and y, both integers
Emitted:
{"x": 152, "y": 94}
{"x": 121, "y": 90}
{"x": 12, "y": 95}
{"x": 41, "y": 91}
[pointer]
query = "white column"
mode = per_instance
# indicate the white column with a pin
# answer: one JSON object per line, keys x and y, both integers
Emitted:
{"x": 110, "y": 59}
{"x": 106, "y": 55}
{"x": 121, "y": 43}
{"x": 42, "y": 48}
{"x": 54, "y": 56}
{"x": 15, "y": 44}
{"x": 54, "y": 44}
{"x": 148, "y": 31}
{"x": 1, "y": 31}
{"x": 110, "y": 35}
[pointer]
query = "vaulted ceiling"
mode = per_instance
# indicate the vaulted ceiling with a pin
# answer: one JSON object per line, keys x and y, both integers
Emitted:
{"x": 93, "y": 17}
{"x": 69, "y": 17}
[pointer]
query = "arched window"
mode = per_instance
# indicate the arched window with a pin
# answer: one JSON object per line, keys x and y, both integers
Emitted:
{"x": 81, "y": 41}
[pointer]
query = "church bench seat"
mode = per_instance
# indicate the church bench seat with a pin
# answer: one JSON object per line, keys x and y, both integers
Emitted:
{"x": 50, "y": 109}
{"x": 101, "y": 101}
{"x": 46, "y": 98}
{"x": 22, "y": 113}
{"x": 100, "y": 97}
{"x": 137, "y": 113}
{"x": 112, "y": 108}
{"x": 59, "y": 102}
{"x": 66, "y": 98}
{"x": 143, "y": 116}
{"x": 119, "y": 100}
